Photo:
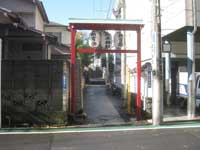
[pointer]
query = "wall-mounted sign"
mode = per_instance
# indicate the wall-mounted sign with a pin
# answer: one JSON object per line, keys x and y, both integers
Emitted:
{"x": 166, "y": 47}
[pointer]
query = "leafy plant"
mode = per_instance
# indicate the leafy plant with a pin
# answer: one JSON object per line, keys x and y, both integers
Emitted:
{"x": 82, "y": 43}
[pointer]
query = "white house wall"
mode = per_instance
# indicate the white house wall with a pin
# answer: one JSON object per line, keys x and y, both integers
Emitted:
{"x": 146, "y": 44}
{"x": 173, "y": 15}
{"x": 66, "y": 36}
{"x": 134, "y": 12}
{"x": 39, "y": 23}
{"x": 189, "y": 17}
{"x": 177, "y": 14}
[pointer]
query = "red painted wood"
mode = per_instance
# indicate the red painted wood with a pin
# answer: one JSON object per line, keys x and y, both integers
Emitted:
{"x": 88, "y": 26}
{"x": 105, "y": 51}
{"x": 138, "y": 101}
{"x": 73, "y": 63}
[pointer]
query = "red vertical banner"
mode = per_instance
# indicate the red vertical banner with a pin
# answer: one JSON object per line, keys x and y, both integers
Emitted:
{"x": 73, "y": 65}
{"x": 138, "y": 101}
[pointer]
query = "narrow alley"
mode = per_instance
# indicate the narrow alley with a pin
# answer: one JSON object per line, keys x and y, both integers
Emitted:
{"x": 102, "y": 107}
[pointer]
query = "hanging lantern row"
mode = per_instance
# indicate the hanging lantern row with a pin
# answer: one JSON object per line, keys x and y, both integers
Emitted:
{"x": 103, "y": 39}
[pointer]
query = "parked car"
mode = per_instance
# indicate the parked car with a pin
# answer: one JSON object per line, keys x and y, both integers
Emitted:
{"x": 182, "y": 93}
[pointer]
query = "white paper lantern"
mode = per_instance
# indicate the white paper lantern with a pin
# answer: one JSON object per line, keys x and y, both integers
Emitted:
{"x": 94, "y": 39}
{"x": 106, "y": 40}
{"x": 118, "y": 40}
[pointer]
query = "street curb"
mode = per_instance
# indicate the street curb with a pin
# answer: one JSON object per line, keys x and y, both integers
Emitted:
{"x": 98, "y": 129}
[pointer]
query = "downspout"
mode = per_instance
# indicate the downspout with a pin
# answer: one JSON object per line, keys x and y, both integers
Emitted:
{"x": 194, "y": 50}
{"x": 194, "y": 17}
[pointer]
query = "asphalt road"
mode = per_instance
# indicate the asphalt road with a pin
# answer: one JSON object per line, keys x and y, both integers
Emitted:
{"x": 102, "y": 107}
{"x": 163, "y": 139}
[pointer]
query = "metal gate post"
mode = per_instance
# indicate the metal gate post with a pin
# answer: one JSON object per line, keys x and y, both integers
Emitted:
{"x": 73, "y": 64}
{"x": 138, "y": 101}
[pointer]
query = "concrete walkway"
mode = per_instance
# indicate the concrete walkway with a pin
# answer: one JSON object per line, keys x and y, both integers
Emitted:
{"x": 103, "y": 108}
{"x": 177, "y": 114}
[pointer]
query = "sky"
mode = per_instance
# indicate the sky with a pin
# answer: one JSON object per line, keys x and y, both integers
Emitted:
{"x": 60, "y": 10}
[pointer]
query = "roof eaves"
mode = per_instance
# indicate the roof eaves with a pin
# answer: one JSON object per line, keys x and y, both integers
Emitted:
{"x": 13, "y": 16}
{"x": 42, "y": 10}
{"x": 54, "y": 24}
{"x": 5, "y": 10}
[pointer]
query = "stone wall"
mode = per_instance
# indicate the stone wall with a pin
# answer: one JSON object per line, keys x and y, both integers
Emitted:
{"x": 35, "y": 86}
{"x": 79, "y": 87}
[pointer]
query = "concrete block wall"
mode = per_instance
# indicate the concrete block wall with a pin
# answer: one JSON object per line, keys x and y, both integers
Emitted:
{"x": 35, "y": 85}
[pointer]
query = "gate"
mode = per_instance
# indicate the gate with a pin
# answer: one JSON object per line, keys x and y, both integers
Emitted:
{"x": 118, "y": 25}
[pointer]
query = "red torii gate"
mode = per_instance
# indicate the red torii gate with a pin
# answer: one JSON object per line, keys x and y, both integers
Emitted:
{"x": 125, "y": 25}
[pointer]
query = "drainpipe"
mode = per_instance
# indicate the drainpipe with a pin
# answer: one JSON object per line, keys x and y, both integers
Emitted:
{"x": 191, "y": 66}
{"x": 194, "y": 17}
{"x": 167, "y": 48}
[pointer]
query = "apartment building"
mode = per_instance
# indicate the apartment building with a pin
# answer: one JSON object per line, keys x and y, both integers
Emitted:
{"x": 177, "y": 28}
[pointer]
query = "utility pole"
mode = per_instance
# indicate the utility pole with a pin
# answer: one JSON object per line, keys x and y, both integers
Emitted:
{"x": 157, "y": 66}
{"x": 191, "y": 65}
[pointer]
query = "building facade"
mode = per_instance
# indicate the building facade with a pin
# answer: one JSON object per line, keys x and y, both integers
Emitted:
{"x": 129, "y": 10}
{"x": 63, "y": 35}
{"x": 177, "y": 28}
{"x": 33, "y": 43}
{"x": 176, "y": 23}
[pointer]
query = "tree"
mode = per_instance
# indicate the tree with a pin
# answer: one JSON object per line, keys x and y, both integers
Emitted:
{"x": 82, "y": 42}
{"x": 110, "y": 59}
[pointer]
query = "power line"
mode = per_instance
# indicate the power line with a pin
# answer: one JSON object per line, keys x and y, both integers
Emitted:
{"x": 109, "y": 9}
{"x": 93, "y": 8}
